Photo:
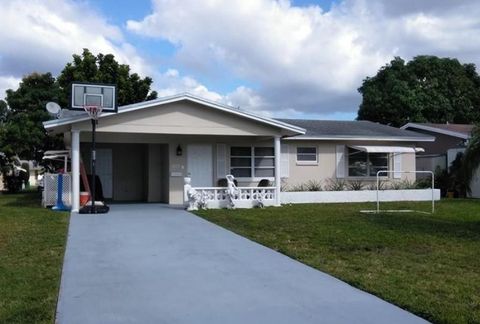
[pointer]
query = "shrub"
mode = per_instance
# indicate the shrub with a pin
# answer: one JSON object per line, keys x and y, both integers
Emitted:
{"x": 335, "y": 185}
{"x": 424, "y": 183}
{"x": 356, "y": 185}
{"x": 314, "y": 185}
{"x": 298, "y": 187}
{"x": 13, "y": 183}
{"x": 396, "y": 185}
{"x": 382, "y": 185}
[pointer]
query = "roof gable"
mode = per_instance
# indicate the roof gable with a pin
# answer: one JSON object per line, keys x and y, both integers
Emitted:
{"x": 81, "y": 117}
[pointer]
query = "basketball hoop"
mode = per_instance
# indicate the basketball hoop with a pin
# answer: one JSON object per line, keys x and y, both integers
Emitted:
{"x": 93, "y": 111}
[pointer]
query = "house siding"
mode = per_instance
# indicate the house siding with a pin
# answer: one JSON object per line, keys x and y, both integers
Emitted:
{"x": 327, "y": 163}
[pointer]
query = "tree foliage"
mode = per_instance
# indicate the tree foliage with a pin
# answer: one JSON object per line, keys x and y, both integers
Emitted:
{"x": 21, "y": 129}
{"x": 105, "y": 69}
{"x": 426, "y": 89}
{"x": 22, "y": 132}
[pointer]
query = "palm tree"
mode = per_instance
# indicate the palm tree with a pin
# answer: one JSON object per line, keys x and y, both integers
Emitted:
{"x": 471, "y": 158}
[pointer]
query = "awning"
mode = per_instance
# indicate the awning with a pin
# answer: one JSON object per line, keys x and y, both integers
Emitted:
{"x": 386, "y": 149}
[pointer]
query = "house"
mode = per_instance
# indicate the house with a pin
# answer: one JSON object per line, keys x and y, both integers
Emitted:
{"x": 146, "y": 149}
{"x": 450, "y": 139}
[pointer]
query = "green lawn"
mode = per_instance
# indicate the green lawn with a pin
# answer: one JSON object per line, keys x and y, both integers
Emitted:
{"x": 32, "y": 243}
{"x": 427, "y": 264}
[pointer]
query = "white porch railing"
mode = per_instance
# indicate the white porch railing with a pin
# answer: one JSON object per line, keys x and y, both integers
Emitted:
{"x": 225, "y": 197}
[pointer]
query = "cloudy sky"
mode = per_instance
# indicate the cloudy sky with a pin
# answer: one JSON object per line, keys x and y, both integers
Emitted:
{"x": 296, "y": 58}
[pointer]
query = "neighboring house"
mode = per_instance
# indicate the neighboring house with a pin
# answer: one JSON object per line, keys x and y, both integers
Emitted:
{"x": 450, "y": 139}
{"x": 146, "y": 149}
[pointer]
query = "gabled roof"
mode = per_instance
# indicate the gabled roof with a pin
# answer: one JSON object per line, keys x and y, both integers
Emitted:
{"x": 456, "y": 130}
{"x": 353, "y": 130}
{"x": 81, "y": 116}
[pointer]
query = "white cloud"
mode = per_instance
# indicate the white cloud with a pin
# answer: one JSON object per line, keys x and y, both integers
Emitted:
{"x": 7, "y": 82}
{"x": 304, "y": 58}
{"x": 42, "y": 35}
{"x": 171, "y": 82}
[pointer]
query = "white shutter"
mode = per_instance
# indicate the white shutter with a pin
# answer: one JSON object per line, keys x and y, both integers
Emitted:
{"x": 221, "y": 161}
{"x": 340, "y": 156}
{"x": 397, "y": 165}
{"x": 284, "y": 161}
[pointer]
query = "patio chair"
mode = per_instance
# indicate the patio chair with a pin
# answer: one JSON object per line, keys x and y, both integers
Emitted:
{"x": 224, "y": 182}
{"x": 264, "y": 183}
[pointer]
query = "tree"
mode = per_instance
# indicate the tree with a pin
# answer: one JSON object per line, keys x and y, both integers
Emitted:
{"x": 22, "y": 133}
{"x": 21, "y": 129}
{"x": 426, "y": 89}
{"x": 471, "y": 157}
{"x": 105, "y": 69}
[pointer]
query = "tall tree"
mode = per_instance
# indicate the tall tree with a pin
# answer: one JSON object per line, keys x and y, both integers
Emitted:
{"x": 105, "y": 69}
{"x": 21, "y": 129}
{"x": 426, "y": 89}
{"x": 471, "y": 158}
{"x": 22, "y": 132}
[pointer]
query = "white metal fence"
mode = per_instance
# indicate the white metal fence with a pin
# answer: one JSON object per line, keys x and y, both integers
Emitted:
{"x": 50, "y": 187}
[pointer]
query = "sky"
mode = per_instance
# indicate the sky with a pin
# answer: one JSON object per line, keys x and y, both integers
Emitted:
{"x": 279, "y": 58}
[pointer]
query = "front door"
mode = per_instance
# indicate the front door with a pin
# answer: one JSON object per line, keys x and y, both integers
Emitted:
{"x": 200, "y": 164}
{"x": 104, "y": 171}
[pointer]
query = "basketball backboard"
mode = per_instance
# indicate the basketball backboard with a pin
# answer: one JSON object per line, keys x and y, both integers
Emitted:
{"x": 93, "y": 94}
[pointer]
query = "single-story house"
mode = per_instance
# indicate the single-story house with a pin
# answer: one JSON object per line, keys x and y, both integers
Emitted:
{"x": 146, "y": 149}
{"x": 450, "y": 139}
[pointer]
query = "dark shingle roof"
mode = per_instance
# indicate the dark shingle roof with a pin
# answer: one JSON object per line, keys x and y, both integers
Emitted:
{"x": 352, "y": 129}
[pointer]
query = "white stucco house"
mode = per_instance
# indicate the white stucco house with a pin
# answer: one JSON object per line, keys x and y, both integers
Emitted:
{"x": 146, "y": 149}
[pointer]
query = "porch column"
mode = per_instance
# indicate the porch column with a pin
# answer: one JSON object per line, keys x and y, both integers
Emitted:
{"x": 277, "y": 170}
{"x": 75, "y": 170}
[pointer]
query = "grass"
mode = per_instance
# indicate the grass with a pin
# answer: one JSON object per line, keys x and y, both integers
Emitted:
{"x": 32, "y": 243}
{"x": 427, "y": 264}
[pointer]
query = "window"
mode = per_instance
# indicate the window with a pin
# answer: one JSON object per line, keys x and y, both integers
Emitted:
{"x": 252, "y": 162}
{"x": 363, "y": 164}
{"x": 307, "y": 154}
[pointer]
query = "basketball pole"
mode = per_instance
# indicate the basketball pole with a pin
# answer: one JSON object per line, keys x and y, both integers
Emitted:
{"x": 94, "y": 127}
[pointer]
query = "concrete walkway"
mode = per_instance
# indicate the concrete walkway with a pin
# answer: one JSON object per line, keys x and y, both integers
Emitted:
{"x": 153, "y": 264}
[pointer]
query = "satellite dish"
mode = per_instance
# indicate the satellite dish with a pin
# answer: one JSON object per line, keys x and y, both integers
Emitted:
{"x": 53, "y": 108}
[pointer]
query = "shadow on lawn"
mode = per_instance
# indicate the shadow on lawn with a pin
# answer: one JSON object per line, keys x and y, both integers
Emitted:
{"x": 416, "y": 223}
{"x": 28, "y": 199}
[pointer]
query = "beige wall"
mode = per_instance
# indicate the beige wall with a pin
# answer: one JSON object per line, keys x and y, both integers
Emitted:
{"x": 325, "y": 167}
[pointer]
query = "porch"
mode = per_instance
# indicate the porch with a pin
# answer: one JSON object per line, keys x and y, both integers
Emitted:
{"x": 151, "y": 167}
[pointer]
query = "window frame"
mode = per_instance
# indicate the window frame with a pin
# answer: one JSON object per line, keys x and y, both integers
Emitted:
{"x": 252, "y": 167}
{"x": 300, "y": 162}
{"x": 367, "y": 176}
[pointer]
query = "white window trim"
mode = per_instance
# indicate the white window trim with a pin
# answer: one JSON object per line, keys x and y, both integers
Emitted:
{"x": 307, "y": 162}
{"x": 368, "y": 176}
{"x": 252, "y": 166}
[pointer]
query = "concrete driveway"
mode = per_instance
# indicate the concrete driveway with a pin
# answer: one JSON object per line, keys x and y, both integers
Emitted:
{"x": 153, "y": 264}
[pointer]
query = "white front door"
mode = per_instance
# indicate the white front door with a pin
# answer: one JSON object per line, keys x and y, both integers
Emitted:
{"x": 104, "y": 171}
{"x": 200, "y": 164}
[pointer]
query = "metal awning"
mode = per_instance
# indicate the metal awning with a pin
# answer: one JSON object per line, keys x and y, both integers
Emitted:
{"x": 386, "y": 149}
